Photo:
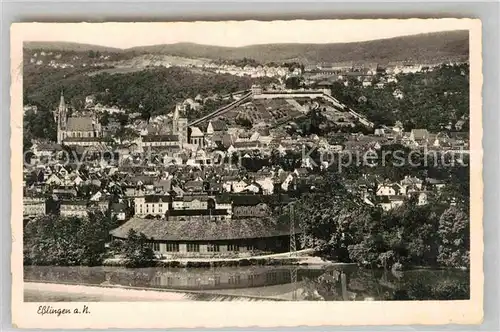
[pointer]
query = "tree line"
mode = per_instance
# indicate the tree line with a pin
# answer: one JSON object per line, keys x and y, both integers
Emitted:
{"x": 69, "y": 241}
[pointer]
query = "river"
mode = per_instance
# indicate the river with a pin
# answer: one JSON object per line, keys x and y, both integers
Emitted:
{"x": 333, "y": 283}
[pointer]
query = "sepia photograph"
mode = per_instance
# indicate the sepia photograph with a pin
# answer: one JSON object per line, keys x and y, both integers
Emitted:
{"x": 310, "y": 161}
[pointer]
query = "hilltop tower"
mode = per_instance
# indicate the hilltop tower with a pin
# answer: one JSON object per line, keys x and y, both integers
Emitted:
{"x": 61, "y": 118}
{"x": 180, "y": 124}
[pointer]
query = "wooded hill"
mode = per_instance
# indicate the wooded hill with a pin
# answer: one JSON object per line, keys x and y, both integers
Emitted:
{"x": 422, "y": 48}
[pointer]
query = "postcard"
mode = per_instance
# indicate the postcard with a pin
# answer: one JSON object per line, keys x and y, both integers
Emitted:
{"x": 246, "y": 173}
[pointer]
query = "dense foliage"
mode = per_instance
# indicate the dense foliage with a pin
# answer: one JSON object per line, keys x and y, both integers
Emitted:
{"x": 137, "y": 251}
{"x": 165, "y": 87}
{"x": 430, "y": 100}
{"x": 343, "y": 228}
{"x": 55, "y": 240}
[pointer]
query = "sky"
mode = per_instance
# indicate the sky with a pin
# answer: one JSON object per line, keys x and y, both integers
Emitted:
{"x": 235, "y": 33}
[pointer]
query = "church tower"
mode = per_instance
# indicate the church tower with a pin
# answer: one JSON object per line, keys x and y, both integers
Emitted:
{"x": 179, "y": 124}
{"x": 60, "y": 118}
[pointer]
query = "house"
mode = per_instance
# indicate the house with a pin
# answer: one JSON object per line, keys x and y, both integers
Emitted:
{"x": 152, "y": 205}
{"x": 239, "y": 186}
{"x": 422, "y": 197}
{"x": 435, "y": 184}
{"x": 460, "y": 124}
{"x": 196, "y": 137}
{"x": 266, "y": 184}
{"x": 301, "y": 172}
{"x": 390, "y": 202}
{"x": 388, "y": 189}
{"x": 366, "y": 83}
{"x": 216, "y": 126}
{"x": 46, "y": 149}
{"x": 398, "y": 94}
{"x": 159, "y": 140}
{"x": 97, "y": 196}
{"x": 249, "y": 206}
{"x": 33, "y": 207}
{"x": 419, "y": 135}
{"x": 398, "y": 127}
{"x": 194, "y": 186}
{"x": 74, "y": 208}
{"x": 409, "y": 181}
{"x": 289, "y": 182}
{"x": 244, "y": 146}
{"x": 75, "y": 179}
{"x": 90, "y": 100}
{"x": 392, "y": 79}
{"x": 53, "y": 179}
{"x": 193, "y": 105}
{"x": 253, "y": 188}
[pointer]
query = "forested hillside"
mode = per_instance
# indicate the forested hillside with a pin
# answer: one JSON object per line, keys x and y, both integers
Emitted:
{"x": 426, "y": 48}
{"x": 422, "y": 48}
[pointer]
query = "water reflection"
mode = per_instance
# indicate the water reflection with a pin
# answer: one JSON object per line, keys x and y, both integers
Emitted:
{"x": 281, "y": 283}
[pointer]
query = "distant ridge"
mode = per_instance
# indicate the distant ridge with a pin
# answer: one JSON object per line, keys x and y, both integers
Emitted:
{"x": 67, "y": 47}
{"x": 423, "y": 48}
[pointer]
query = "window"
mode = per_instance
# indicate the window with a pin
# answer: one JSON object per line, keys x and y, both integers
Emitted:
{"x": 233, "y": 247}
{"x": 157, "y": 280}
{"x": 172, "y": 247}
{"x": 251, "y": 279}
{"x": 234, "y": 280}
{"x": 193, "y": 247}
{"x": 156, "y": 246}
{"x": 213, "y": 248}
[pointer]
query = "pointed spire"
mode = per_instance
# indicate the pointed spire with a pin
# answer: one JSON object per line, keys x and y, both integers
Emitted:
{"x": 62, "y": 104}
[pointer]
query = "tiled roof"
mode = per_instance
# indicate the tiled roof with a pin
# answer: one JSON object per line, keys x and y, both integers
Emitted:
{"x": 196, "y": 132}
{"x": 246, "y": 200}
{"x": 193, "y": 230}
{"x": 157, "y": 198}
{"x": 79, "y": 124}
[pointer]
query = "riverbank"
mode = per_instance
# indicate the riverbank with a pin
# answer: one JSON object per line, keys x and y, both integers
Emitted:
{"x": 56, "y": 292}
{"x": 301, "y": 257}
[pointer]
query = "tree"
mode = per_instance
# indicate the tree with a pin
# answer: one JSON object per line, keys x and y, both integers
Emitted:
{"x": 454, "y": 228}
{"x": 94, "y": 234}
{"x": 326, "y": 215}
{"x": 293, "y": 82}
{"x": 137, "y": 250}
{"x": 104, "y": 119}
{"x": 244, "y": 122}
